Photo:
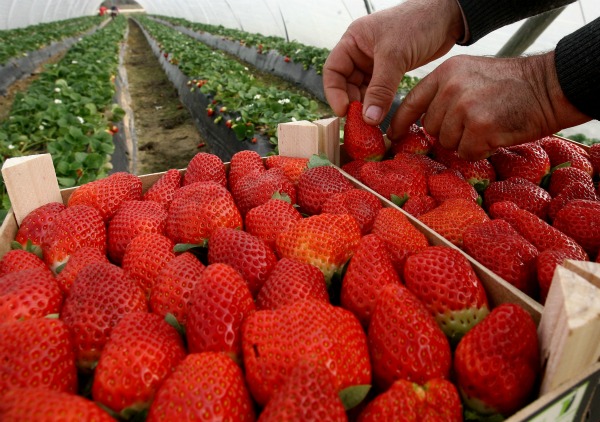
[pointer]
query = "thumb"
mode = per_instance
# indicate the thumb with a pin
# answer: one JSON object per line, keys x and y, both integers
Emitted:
{"x": 381, "y": 90}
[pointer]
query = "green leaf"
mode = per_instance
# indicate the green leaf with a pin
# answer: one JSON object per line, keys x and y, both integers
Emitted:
{"x": 399, "y": 200}
{"x": 319, "y": 160}
{"x": 354, "y": 395}
{"x": 184, "y": 247}
{"x": 66, "y": 182}
{"x": 282, "y": 196}
{"x": 172, "y": 321}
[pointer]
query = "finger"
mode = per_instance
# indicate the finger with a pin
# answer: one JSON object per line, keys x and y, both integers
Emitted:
{"x": 472, "y": 147}
{"x": 414, "y": 105}
{"x": 382, "y": 88}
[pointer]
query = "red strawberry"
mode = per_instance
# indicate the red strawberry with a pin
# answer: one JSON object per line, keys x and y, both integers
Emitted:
{"x": 453, "y": 217}
{"x": 256, "y": 189}
{"x": 434, "y": 275}
{"x": 81, "y": 258}
{"x": 142, "y": 351}
{"x": 498, "y": 361}
{"x": 174, "y": 285}
{"x": 36, "y": 223}
{"x": 370, "y": 269}
{"x": 269, "y": 219}
{"x": 478, "y": 173}
{"x": 394, "y": 178}
{"x": 546, "y": 265}
{"x": 203, "y": 385}
{"x": 594, "y": 154}
{"x": 562, "y": 151}
{"x": 205, "y": 167}
{"x": 131, "y": 219}
{"x": 414, "y": 142}
{"x": 76, "y": 227}
{"x": 522, "y": 192}
{"x": 307, "y": 394}
{"x": 100, "y": 296}
{"x": 273, "y": 341}
{"x": 419, "y": 205}
{"x": 291, "y": 166}
{"x": 443, "y": 155}
{"x": 28, "y": 294}
{"x": 37, "y": 353}
{"x": 498, "y": 246}
{"x": 562, "y": 177}
{"x": 289, "y": 282}
{"x": 362, "y": 141}
{"x": 317, "y": 184}
{"x": 450, "y": 184}
{"x": 575, "y": 190}
{"x": 243, "y": 163}
{"x": 528, "y": 161}
{"x": 401, "y": 238}
{"x": 404, "y": 340}
{"x": 145, "y": 257}
{"x": 539, "y": 233}
{"x": 107, "y": 195}
{"x": 427, "y": 165}
{"x": 38, "y": 404}
{"x": 326, "y": 241}
{"x": 436, "y": 400}
{"x": 580, "y": 220}
{"x": 248, "y": 254}
{"x": 163, "y": 190}
{"x": 18, "y": 260}
{"x": 217, "y": 308}
{"x": 359, "y": 203}
{"x": 353, "y": 168}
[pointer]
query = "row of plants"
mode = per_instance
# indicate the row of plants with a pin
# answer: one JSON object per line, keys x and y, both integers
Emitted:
{"x": 258, "y": 104}
{"x": 69, "y": 111}
{"x": 294, "y": 51}
{"x": 18, "y": 42}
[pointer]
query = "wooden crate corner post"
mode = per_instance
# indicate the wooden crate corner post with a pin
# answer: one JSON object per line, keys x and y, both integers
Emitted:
{"x": 329, "y": 138}
{"x": 298, "y": 139}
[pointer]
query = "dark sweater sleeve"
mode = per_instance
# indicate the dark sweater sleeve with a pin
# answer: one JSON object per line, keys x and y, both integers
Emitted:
{"x": 577, "y": 59}
{"x": 485, "y": 16}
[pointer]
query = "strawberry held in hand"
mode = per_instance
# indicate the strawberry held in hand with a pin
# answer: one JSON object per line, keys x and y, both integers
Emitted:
{"x": 362, "y": 141}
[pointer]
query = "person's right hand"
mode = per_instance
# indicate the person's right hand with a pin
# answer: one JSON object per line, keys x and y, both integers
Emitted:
{"x": 371, "y": 58}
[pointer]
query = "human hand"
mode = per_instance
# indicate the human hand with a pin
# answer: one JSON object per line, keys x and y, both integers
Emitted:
{"x": 371, "y": 58}
{"x": 477, "y": 104}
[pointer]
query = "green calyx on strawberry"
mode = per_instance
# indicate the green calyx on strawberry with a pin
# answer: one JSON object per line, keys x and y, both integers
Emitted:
{"x": 362, "y": 141}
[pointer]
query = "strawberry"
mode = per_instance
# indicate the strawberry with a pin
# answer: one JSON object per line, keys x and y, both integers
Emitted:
{"x": 28, "y": 294}
{"x": 326, "y": 241}
{"x": 362, "y": 141}
{"x": 528, "y": 161}
{"x": 273, "y": 341}
{"x": 174, "y": 285}
{"x": 353, "y": 168}
{"x": 436, "y": 400}
{"x": 575, "y": 190}
{"x": 419, "y": 205}
{"x": 307, "y": 394}
{"x": 562, "y": 151}
{"x": 580, "y": 220}
{"x": 36, "y": 223}
{"x": 217, "y": 308}
{"x": 522, "y": 192}
{"x": 131, "y": 219}
{"x": 81, "y": 258}
{"x": 450, "y": 184}
{"x": 561, "y": 178}
{"x": 414, "y": 142}
{"x": 478, "y": 173}
{"x": 38, "y": 404}
{"x": 163, "y": 190}
{"x": 399, "y": 235}
{"x": 425, "y": 164}
{"x": 37, "y": 353}
{"x": 256, "y": 189}
{"x": 145, "y": 257}
{"x": 100, "y": 296}
{"x": 18, "y": 260}
{"x": 203, "y": 385}
{"x": 498, "y": 246}
{"x": 370, "y": 269}
{"x": 539, "y": 233}
{"x": 205, "y": 167}
{"x": 266, "y": 221}
{"x": 498, "y": 361}
{"x": 317, "y": 184}
{"x": 394, "y": 178}
{"x": 246, "y": 253}
{"x": 594, "y": 154}
{"x": 359, "y": 203}
{"x": 243, "y": 163}
{"x": 433, "y": 275}
{"x": 405, "y": 342}
{"x": 443, "y": 155}
{"x": 141, "y": 352}
{"x": 453, "y": 217}
{"x": 289, "y": 282}
{"x": 76, "y": 227}
{"x": 291, "y": 166}
{"x": 546, "y": 265}
{"x": 107, "y": 194}
{"x": 198, "y": 209}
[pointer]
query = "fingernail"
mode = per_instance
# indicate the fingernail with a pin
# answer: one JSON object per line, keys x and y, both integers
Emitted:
{"x": 373, "y": 113}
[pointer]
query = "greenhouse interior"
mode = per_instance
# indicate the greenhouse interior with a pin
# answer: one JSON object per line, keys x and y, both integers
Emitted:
{"x": 299, "y": 210}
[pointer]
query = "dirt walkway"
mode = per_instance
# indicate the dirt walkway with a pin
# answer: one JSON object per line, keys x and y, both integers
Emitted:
{"x": 165, "y": 131}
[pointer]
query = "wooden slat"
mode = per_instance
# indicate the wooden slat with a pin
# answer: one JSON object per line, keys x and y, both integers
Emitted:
{"x": 298, "y": 139}
{"x": 329, "y": 138}
{"x": 588, "y": 270}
